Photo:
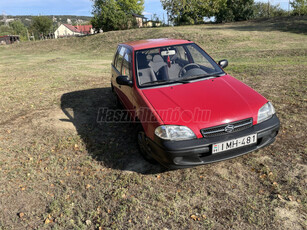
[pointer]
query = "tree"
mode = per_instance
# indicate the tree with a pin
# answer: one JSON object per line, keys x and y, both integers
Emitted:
{"x": 115, "y": 14}
{"x": 182, "y": 12}
{"x": 235, "y": 10}
{"x": 19, "y": 29}
{"x": 299, "y": 7}
{"x": 6, "y": 30}
{"x": 131, "y": 6}
{"x": 41, "y": 25}
{"x": 262, "y": 10}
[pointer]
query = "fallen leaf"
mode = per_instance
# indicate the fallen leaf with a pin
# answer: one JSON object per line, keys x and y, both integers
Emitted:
{"x": 280, "y": 197}
{"x": 48, "y": 220}
{"x": 275, "y": 183}
{"x": 261, "y": 191}
{"x": 21, "y": 214}
{"x": 262, "y": 176}
{"x": 88, "y": 186}
{"x": 291, "y": 198}
{"x": 204, "y": 216}
{"x": 158, "y": 176}
{"x": 88, "y": 222}
{"x": 23, "y": 188}
{"x": 195, "y": 218}
{"x": 109, "y": 211}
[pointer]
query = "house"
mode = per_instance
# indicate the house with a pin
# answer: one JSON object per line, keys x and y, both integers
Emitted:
{"x": 66, "y": 30}
{"x": 139, "y": 19}
{"x": 151, "y": 23}
{"x": 85, "y": 29}
{"x": 9, "y": 39}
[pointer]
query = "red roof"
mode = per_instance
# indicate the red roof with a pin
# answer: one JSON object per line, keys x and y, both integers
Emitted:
{"x": 152, "y": 43}
{"x": 72, "y": 28}
{"x": 86, "y": 29}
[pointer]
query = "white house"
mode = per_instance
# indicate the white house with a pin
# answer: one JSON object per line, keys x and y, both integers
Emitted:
{"x": 66, "y": 30}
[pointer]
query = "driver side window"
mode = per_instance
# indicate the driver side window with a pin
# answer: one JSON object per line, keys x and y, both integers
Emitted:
{"x": 127, "y": 69}
{"x": 182, "y": 54}
{"x": 198, "y": 58}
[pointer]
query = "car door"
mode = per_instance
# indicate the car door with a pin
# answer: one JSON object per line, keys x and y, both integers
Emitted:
{"x": 123, "y": 67}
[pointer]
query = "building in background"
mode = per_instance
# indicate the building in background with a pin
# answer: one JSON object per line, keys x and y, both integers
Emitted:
{"x": 140, "y": 20}
{"x": 9, "y": 39}
{"x": 66, "y": 30}
{"x": 151, "y": 23}
{"x": 85, "y": 29}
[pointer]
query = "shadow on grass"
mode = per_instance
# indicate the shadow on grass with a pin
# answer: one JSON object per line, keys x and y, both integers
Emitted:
{"x": 114, "y": 144}
{"x": 297, "y": 24}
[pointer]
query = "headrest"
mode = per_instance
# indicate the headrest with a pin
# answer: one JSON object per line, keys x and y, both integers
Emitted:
{"x": 157, "y": 58}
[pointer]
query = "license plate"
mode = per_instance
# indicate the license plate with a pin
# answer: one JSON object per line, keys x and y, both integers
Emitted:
{"x": 235, "y": 143}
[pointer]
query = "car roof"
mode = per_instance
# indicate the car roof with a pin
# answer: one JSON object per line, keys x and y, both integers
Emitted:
{"x": 152, "y": 43}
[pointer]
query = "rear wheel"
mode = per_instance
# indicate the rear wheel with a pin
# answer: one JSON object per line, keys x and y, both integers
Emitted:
{"x": 144, "y": 147}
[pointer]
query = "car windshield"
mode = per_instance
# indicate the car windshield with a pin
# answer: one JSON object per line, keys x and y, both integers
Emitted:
{"x": 172, "y": 64}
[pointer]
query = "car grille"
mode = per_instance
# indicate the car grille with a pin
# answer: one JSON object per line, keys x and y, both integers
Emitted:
{"x": 220, "y": 130}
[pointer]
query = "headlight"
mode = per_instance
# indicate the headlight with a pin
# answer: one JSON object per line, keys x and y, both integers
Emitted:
{"x": 174, "y": 132}
{"x": 265, "y": 112}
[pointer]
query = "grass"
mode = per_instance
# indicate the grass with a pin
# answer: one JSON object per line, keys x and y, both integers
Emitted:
{"x": 60, "y": 169}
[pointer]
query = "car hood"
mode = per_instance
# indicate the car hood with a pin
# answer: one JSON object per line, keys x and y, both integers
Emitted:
{"x": 205, "y": 103}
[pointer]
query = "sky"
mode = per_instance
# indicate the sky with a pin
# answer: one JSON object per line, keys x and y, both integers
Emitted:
{"x": 80, "y": 7}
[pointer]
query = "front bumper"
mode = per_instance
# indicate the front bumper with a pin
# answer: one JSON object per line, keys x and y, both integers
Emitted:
{"x": 183, "y": 154}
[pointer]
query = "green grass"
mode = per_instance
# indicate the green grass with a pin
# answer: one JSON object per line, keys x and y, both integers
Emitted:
{"x": 73, "y": 173}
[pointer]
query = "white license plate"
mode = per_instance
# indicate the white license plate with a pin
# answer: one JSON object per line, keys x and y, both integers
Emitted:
{"x": 235, "y": 143}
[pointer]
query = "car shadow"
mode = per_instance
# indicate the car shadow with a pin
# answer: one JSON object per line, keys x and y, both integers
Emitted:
{"x": 112, "y": 143}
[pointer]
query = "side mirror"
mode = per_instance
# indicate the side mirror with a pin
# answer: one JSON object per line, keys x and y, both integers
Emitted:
{"x": 123, "y": 80}
{"x": 223, "y": 63}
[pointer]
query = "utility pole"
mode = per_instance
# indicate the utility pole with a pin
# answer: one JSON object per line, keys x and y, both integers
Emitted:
{"x": 289, "y": 8}
{"x": 28, "y": 34}
{"x": 163, "y": 19}
{"x": 5, "y": 19}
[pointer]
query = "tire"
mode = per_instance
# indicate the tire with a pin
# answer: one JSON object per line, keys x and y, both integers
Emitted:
{"x": 143, "y": 145}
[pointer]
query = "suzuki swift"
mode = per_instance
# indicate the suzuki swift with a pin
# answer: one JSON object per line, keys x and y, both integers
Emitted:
{"x": 189, "y": 110}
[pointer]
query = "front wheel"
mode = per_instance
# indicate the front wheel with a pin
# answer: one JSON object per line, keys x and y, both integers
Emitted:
{"x": 144, "y": 147}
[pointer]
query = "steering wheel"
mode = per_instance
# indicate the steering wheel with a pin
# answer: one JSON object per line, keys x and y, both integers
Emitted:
{"x": 182, "y": 71}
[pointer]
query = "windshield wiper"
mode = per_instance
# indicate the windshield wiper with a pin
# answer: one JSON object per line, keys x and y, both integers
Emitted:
{"x": 194, "y": 77}
{"x": 154, "y": 82}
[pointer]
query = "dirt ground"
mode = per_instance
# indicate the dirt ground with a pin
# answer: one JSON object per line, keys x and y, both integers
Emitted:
{"x": 61, "y": 169}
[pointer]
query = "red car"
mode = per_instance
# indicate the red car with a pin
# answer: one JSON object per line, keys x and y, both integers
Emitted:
{"x": 190, "y": 112}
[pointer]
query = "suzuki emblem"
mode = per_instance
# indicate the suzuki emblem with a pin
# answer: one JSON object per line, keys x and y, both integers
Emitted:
{"x": 229, "y": 128}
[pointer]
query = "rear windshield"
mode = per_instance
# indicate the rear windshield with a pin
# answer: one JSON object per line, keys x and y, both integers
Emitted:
{"x": 166, "y": 65}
